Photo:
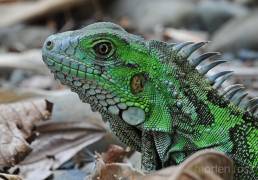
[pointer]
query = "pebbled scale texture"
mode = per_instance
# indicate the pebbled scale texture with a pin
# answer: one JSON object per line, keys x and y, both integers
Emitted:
{"x": 157, "y": 97}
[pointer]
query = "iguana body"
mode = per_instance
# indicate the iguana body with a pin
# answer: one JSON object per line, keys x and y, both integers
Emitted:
{"x": 154, "y": 98}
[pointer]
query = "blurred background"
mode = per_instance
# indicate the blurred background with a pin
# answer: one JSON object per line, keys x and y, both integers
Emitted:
{"x": 65, "y": 145}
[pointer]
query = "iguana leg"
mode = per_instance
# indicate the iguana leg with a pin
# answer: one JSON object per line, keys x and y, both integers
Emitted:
{"x": 149, "y": 154}
{"x": 162, "y": 142}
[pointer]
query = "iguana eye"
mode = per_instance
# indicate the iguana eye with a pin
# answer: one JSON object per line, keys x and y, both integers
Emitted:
{"x": 103, "y": 49}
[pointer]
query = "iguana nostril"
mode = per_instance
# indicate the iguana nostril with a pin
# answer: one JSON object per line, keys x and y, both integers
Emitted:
{"x": 49, "y": 45}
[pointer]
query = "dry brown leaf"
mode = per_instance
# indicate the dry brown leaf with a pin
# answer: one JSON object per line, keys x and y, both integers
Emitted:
{"x": 17, "y": 125}
{"x": 114, "y": 171}
{"x": 69, "y": 131}
{"x": 9, "y": 177}
{"x": 115, "y": 153}
{"x": 56, "y": 144}
{"x": 203, "y": 165}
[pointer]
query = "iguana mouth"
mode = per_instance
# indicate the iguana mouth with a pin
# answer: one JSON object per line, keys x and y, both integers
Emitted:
{"x": 81, "y": 80}
{"x": 67, "y": 65}
{"x": 77, "y": 75}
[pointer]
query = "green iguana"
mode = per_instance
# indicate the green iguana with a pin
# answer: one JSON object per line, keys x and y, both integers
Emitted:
{"x": 155, "y": 96}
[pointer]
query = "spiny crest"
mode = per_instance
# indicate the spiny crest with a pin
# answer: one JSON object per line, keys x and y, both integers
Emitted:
{"x": 235, "y": 93}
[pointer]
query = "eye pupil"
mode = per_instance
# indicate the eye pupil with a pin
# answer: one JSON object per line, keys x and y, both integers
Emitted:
{"x": 103, "y": 48}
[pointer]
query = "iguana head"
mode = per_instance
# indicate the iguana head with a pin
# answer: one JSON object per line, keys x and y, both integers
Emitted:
{"x": 108, "y": 67}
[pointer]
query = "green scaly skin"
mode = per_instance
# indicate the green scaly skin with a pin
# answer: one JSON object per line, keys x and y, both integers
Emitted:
{"x": 153, "y": 97}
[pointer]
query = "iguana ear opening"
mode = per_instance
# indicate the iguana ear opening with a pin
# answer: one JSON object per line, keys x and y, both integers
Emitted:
{"x": 137, "y": 83}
